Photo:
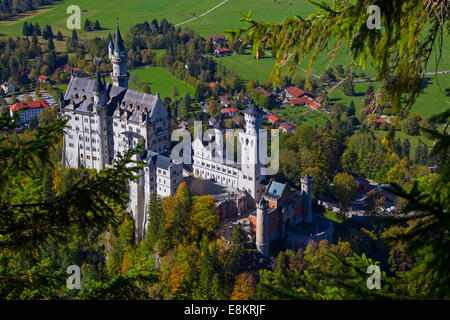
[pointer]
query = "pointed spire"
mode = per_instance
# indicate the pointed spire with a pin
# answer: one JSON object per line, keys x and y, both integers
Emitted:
{"x": 118, "y": 42}
{"x": 98, "y": 85}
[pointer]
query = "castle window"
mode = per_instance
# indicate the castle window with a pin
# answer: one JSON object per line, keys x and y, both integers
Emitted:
{"x": 115, "y": 124}
{"x": 71, "y": 145}
{"x": 88, "y": 157}
{"x": 94, "y": 158}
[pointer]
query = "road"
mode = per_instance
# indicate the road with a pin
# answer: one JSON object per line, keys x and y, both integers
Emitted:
{"x": 203, "y": 14}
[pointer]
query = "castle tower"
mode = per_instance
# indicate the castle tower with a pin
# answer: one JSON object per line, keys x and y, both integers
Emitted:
{"x": 99, "y": 110}
{"x": 251, "y": 170}
{"x": 306, "y": 190}
{"x": 262, "y": 226}
{"x": 118, "y": 57}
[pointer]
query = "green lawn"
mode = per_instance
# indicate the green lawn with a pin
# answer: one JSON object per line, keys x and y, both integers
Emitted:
{"x": 430, "y": 101}
{"x": 223, "y": 18}
{"x": 160, "y": 80}
{"x": 301, "y": 115}
{"x": 175, "y": 11}
{"x": 414, "y": 140}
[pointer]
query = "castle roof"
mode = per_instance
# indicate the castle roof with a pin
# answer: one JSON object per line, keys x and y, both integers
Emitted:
{"x": 118, "y": 42}
{"x": 253, "y": 110}
{"x": 98, "y": 84}
{"x": 159, "y": 160}
{"x": 136, "y": 106}
{"x": 276, "y": 189}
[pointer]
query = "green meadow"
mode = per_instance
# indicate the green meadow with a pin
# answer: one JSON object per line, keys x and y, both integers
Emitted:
{"x": 175, "y": 11}
{"x": 159, "y": 80}
{"x": 225, "y": 17}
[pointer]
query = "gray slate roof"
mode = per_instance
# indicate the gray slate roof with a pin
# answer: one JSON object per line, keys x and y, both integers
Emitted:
{"x": 121, "y": 102}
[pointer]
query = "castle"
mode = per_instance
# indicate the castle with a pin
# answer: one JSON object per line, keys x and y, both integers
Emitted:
{"x": 105, "y": 120}
{"x": 209, "y": 161}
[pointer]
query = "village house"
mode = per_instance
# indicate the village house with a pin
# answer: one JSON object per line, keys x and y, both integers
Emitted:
{"x": 273, "y": 118}
{"x": 229, "y": 111}
{"x": 220, "y": 52}
{"x": 8, "y": 87}
{"x": 286, "y": 127}
{"x": 218, "y": 40}
{"x": 224, "y": 101}
{"x": 43, "y": 79}
{"x": 302, "y": 101}
{"x": 30, "y": 110}
{"x": 294, "y": 92}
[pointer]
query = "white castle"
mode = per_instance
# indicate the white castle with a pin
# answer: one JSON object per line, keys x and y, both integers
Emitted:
{"x": 105, "y": 120}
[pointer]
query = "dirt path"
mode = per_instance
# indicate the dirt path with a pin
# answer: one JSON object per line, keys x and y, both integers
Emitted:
{"x": 203, "y": 14}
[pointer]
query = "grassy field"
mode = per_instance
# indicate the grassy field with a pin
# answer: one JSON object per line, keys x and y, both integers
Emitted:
{"x": 160, "y": 80}
{"x": 223, "y": 18}
{"x": 414, "y": 140}
{"x": 301, "y": 115}
{"x": 431, "y": 101}
{"x": 175, "y": 11}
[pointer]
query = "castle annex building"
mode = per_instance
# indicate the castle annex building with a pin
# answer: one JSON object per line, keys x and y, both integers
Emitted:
{"x": 284, "y": 213}
{"x": 209, "y": 161}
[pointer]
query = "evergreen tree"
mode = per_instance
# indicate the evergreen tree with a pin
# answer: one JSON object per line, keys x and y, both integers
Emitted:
{"x": 406, "y": 147}
{"x": 156, "y": 225}
{"x": 351, "y": 109}
{"x": 50, "y": 45}
{"x": 59, "y": 36}
{"x": 348, "y": 87}
{"x": 37, "y": 29}
{"x": 25, "y": 29}
{"x": 237, "y": 250}
{"x": 87, "y": 25}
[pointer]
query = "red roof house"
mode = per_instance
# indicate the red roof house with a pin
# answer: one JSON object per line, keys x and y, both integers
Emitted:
{"x": 315, "y": 105}
{"x": 273, "y": 118}
{"x": 222, "y": 51}
{"x": 301, "y": 101}
{"x": 230, "y": 111}
{"x": 286, "y": 127}
{"x": 27, "y": 105}
{"x": 43, "y": 78}
{"x": 30, "y": 110}
{"x": 224, "y": 100}
{"x": 295, "y": 92}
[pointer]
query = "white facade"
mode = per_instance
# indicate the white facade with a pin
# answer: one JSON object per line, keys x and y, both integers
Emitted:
{"x": 28, "y": 114}
{"x": 162, "y": 176}
{"x": 105, "y": 120}
{"x": 210, "y": 164}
